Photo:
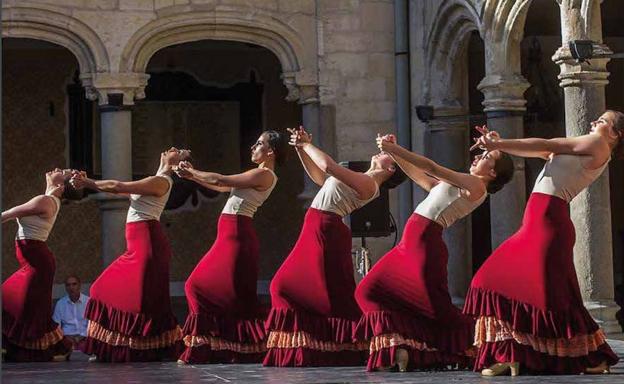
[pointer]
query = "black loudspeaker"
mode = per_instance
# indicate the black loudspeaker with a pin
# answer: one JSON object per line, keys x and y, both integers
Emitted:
{"x": 373, "y": 219}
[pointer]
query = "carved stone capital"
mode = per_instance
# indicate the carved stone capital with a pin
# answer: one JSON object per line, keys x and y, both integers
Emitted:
{"x": 574, "y": 74}
{"x": 504, "y": 92}
{"x": 299, "y": 91}
{"x": 99, "y": 85}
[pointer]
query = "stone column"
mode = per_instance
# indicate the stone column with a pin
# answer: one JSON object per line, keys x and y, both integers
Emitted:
{"x": 447, "y": 144}
{"x": 307, "y": 97}
{"x": 116, "y": 126}
{"x": 504, "y": 107}
{"x": 584, "y": 89}
{"x": 116, "y": 94}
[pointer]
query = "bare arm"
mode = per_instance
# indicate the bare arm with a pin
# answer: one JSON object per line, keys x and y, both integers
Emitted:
{"x": 299, "y": 137}
{"x": 589, "y": 145}
{"x": 471, "y": 184}
{"x": 364, "y": 185}
{"x": 259, "y": 179}
{"x": 149, "y": 186}
{"x": 315, "y": 173}
{"x": 37, "y": 206}
{"x": 416, "y": 174}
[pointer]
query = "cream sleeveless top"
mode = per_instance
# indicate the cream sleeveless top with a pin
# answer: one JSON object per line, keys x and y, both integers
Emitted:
{"x": 36, "y": 227}
{"x": 445, "y": 204}
{"x": 337, "y": 197}
{"x": 143, "y": 207}
{"x": 564, "y": 176}
{"x": 246, "y": 201}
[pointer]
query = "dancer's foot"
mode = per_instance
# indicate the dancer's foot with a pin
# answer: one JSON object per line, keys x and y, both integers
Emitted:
{"x": 601, "y": 368}
{"x": 499, "y": 369}
{"x": 62, "y": 357}
{"x": 402, "y": 358}
{"x": 182, "y": 362}
{"x": 93, "y": 359}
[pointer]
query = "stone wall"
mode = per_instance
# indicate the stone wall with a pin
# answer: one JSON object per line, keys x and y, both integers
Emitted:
{"x": 357, "y": 85}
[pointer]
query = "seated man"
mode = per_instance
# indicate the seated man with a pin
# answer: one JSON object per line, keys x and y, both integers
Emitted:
{"x": 69, "y": 311}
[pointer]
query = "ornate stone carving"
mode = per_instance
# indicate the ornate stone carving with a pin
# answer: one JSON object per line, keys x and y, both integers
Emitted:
{"x": 99, "y": 85}
{"x": 574, "y": 73}
{"x": 503, "y": 92}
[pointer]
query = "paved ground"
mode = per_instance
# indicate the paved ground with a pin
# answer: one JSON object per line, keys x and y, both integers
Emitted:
{"x": 80, "y": 371}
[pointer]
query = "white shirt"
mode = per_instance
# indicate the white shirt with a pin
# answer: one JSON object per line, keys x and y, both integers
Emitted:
{"x": 70, "y": 315}
{"x": 445, "y": 204}
{"x": 337, "y": 197}
{"x": 36, "y": 227}
{"x": 565, "y": 176}
{"x": 245, "y": 201}
{"x": 143, "y": 207}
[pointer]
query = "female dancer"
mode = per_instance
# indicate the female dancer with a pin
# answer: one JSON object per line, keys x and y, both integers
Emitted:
{"x": 129, "y": 312}
{"x": 28, "y": 331}
{"x": 408, "y": 313}
{"x": 526, "y": 295}
{"x": 314, "y": 311}
{"x": 225, "y": 323}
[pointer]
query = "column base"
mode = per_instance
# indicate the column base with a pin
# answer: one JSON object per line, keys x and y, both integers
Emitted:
{"x": 603, "y": 311}
{"x": 458, "y": 301}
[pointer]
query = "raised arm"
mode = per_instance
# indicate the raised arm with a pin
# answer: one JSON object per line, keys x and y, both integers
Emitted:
{"x": 258, "y": 178}
{"x": 471, "y": 184}
{"x": 416, "y": 174}
{"x": 590, "y": 145}
{"x": 364, "y": 185}
{"x": 149, "y": 186}
{"x": 298, "y": 137}
{"x": 37, "y": 206}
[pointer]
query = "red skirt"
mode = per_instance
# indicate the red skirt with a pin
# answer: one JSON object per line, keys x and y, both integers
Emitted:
{"x": 527, "y": 299}
{"x": 225, "y": 322}
{"x": 314, "y": 310}
{"x": 406, "y": 304}
{"x": 129, "y": 312}
{"x": 29, "y": 333}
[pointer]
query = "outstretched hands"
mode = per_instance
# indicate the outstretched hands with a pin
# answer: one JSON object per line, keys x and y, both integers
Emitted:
{"x": 184, "y": 169}
{"x": 488, "y": 139}
{"x": 299, "y": 137}
{"x": 386, "y": 143}
{"x": 78, "y": 179}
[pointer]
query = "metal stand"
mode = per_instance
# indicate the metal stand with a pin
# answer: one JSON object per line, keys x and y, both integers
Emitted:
{"x": 362, "y": 259}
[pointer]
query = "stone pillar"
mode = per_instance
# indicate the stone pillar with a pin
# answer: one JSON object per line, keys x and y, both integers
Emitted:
{"x": 311, "y": 122}
{"x": 584, "y": 89}
{"x": 307, "y": 97}
{"x": 116, "y": 126}
{"x": 504, "y": 107}
{"x": 115, "y": 94}
{"x": 447, "y": 144}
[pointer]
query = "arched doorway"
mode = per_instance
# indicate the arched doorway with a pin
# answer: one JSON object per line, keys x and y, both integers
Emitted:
{"x": 216, "y": 97}
{"x": 43, "y": 112}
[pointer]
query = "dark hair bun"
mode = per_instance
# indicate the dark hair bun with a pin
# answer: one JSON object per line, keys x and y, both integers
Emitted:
{"x": 278, "y": 144}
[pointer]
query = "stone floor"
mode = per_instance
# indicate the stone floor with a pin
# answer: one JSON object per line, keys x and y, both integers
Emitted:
{"x": 80, "y": 371}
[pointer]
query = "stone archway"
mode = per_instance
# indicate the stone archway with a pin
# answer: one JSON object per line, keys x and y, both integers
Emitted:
{"x": 66, "y": 31}
{"x": 58, "y": 28}
{"x": 232, "y": 24}
{"x": 448, "y": 38}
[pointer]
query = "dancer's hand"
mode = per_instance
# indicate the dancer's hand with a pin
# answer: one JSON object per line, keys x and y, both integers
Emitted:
{"x": 386, "y": 143}
{"x": 488, "y": 139}
{"x": 299, "y": 137}
{"x": 183, "y": 169}
{"x": 484, "y": 131}
{"x": 78, "y": 179}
